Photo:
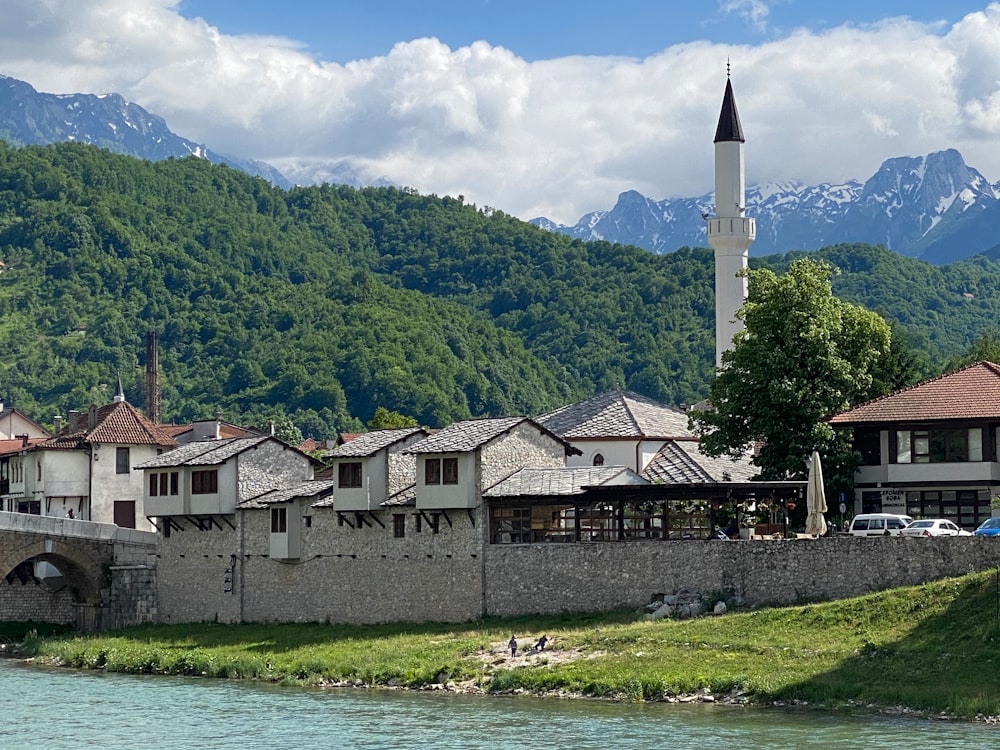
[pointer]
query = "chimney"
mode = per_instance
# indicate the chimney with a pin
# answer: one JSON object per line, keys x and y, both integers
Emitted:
{"x": 92, "y": 417}
{"x": 152, "y": 378}
{"x": 23, "y": 439}
{"x": 57, "y": 423}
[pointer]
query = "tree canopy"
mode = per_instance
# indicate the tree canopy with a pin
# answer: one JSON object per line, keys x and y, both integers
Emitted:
{"x": 803, "y": 355}
{"x": 323, "y": 303}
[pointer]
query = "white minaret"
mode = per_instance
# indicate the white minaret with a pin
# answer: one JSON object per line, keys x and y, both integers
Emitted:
{"x": 730, "y": 231}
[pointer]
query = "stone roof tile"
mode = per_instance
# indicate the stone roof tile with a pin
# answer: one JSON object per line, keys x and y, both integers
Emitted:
{"x": 313, "y": 488}
{"x": 369, "y": 443}
{"x": 679, "y": 462}
{"x": 467, "y": 435}
{"x": 560, "y": 481}
{"x": 203, "y": 452}
{"x": 617, "y": 414}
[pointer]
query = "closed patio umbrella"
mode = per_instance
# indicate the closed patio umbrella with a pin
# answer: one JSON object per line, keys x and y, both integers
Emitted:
{"x": 815, "y": 498}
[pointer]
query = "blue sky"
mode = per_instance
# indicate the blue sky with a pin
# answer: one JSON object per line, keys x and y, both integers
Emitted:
{"x": 536, "y": 108}
{"x": 341, "y": 31}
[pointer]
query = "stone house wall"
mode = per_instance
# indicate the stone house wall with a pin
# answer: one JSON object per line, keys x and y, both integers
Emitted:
{"x": 523, "y": 446}
{"x": 268, "y": 466}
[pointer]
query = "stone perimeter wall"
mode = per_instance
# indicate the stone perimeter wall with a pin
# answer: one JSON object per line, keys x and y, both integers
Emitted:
{"x": 348, "y": 572}
{"x": 554, "y": 578}
{"x": 363, "y": 575}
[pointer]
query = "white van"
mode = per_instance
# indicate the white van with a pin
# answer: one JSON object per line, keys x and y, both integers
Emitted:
{"x": 878, "y": 524}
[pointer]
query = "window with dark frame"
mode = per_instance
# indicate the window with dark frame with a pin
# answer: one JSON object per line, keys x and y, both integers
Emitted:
{"x": 399, "y": 525}
{"x": 432, "y": 471}
{"x": 449, "y": 471}
{"x": 122, "y": 460}
{"x": 163, "y": 483}
{"x": 279, "y": 520}
{"x": 349, "y": 474}
{"x": 204, "y": 482}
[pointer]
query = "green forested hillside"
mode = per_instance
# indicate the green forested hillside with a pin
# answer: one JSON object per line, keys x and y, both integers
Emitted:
{"x": 323, "y": 303}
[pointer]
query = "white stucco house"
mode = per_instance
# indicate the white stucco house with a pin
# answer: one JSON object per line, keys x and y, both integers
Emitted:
{"x": 86, "y": 469}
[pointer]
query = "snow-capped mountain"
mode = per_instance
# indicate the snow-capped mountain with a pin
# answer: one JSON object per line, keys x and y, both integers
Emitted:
{"x": 28, "y": 117}
{"x": 934, "y": 206}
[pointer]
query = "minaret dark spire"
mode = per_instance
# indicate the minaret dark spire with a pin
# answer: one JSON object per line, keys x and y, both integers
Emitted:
{"x": 729, "y": 128}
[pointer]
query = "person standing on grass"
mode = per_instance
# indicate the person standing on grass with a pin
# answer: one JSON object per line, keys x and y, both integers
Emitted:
{"x": 512, "y": 645}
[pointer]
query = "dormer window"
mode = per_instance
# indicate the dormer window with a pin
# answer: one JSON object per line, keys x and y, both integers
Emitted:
{"x": 349, "y": 474}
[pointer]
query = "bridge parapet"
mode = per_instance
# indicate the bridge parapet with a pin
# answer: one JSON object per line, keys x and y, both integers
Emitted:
{"x": 74, "y": 527}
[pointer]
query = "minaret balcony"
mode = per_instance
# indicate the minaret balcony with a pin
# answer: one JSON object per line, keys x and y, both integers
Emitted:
{"x": 731, "y": 227}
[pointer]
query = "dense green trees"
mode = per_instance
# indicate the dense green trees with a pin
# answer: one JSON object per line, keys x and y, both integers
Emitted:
{"x": 324, "y": 303}
{"x": 803, "y": 356}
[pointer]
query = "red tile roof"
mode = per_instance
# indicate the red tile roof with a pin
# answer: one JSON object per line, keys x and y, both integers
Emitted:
{"x": 117, "y": 422}
{"x": 973, "y": 392}
{"x": 15, "y": 445}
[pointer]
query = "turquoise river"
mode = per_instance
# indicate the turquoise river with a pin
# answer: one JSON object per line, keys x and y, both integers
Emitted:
{"x": 51, "y": 709}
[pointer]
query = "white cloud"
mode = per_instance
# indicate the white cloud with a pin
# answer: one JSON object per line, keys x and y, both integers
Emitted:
{"x": 554, "y": 137}
{"x": 755, "y": 12}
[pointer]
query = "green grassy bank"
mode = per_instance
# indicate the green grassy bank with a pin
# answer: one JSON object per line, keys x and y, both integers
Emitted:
{"x": 931, "y": 647}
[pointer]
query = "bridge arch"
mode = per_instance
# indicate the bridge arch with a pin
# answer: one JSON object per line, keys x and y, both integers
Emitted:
{"x": 82, "y": 572}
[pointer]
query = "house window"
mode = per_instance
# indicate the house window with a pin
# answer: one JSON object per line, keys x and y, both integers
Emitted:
{"x": 868, "y": 443}
{"x": 599, "y": 459}
{"x": 349, "y": 474}
{"x": 432, "y": 471}
{"x": 511, "y": 525}
{"x": 399, "y": 525}
{"x": 441, "y": 471}
{"x": 204, "y": 482}
{"x": 449, "y": 471}
{"x": 163, "y": 483}
{"x": 279, "y": 520}
{"x": 121, "y": 461}
{"x": 939, "y": 445}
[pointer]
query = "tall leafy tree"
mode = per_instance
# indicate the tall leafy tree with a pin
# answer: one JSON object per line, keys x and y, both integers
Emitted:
{"x": 386, "y": 419}
{"x": 803, "y": 355}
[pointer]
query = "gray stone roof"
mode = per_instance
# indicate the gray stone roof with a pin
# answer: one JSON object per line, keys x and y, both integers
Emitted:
{"x": 369, "y": 443}
{"x": 406, "y": 497}
{"x": 467, "y": 435}
{"x": 203, "y": 452}
{"x": 683, "y": 461}
{"x": 561, "y": 481}
{"x": 617, "y": 414}
{"x": 313, "y": 488}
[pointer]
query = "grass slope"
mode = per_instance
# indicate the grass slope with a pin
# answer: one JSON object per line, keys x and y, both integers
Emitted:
{"x": 930, "y": 647}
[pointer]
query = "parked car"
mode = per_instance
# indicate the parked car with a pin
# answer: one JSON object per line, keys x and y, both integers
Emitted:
{"x": 878, "y": 524}
{"x": 934, "y": 527}
{"x": 989, "y": 527}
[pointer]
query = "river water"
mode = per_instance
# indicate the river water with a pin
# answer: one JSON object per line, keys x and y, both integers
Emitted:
{"x": 51, "y": 709}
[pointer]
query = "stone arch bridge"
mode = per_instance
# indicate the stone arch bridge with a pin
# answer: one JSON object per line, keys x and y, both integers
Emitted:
{"x": 97, "y": 576}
